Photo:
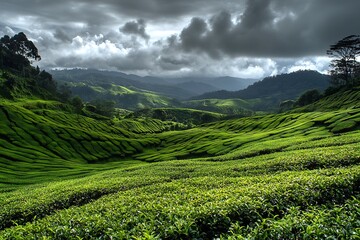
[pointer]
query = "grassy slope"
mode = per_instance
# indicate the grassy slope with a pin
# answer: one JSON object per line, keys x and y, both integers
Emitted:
{"x": 242, "y": 178}
{"x": 40, "y": 141}
{"x": 124, "y": 97}
{"x": 224, "y": 106}
{"x": 341, "y": 100}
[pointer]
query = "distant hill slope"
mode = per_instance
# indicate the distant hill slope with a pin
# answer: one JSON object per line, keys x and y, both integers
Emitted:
{"x": 224, "y": 106}
{"x": 129, "y": 98}
{"x": 180, "y": 88}
{"x": 276, "y": 89}
{"x": 221, "y": 83}
{"x": 135, "y": 92}
{"x": 196, "y": 88}
{"x": 96, "y": 77}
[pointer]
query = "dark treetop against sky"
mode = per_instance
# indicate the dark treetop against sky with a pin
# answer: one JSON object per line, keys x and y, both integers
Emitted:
{"x": 242, "y": 38}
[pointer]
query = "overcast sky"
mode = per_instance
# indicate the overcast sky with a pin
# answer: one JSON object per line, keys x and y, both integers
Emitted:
{"x": 241, "y": 38}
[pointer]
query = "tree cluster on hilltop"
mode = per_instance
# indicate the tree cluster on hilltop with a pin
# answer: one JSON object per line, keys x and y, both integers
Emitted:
{"x": 345, "y": 67}
{"x": 344, "y": 70}
{"x": 16, "y": 52}
{"x": 16, "y": 55}
{"x": 20, "y": 79}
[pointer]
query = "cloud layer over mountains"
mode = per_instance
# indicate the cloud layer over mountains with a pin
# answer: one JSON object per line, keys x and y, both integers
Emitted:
{"x": 252, "y": 38}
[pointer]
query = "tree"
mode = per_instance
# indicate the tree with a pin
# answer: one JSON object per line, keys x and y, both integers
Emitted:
{"x": 78, "y": 104}
{"x": 64, "y": 92}
{"x": 286, "y": 105}
{"x": 104, "y": 107}
{"x": 345, "y": 66}
{"x": 45, "y": 80}
{"x": 17, "y": 52}
{"x": 19, "y": 44}
{"x": 1, "y": 56}
{"x": 308, "y": 97}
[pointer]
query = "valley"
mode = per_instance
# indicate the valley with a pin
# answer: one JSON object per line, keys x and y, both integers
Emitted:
{"x": 128, "y": 159}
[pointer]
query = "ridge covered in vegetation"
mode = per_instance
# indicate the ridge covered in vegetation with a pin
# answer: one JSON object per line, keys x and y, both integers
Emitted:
{"x": 271, "y": 91}
{"x": 67, "y": 173}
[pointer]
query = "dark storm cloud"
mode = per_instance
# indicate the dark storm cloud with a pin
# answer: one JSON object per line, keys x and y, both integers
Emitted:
{"x": 94, "y": 11}
{"x": 273, "y": 28}
{"x": 136, "y": 28}
{"x": 241, "y": 37}
{"x": 62, "y": 35}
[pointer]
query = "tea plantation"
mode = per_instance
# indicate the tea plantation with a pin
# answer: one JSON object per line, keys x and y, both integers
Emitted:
{"x": 293, "y": 175}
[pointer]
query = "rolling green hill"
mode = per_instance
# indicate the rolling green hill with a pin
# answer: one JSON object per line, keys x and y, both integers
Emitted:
{"x": 225, "y": 106}
{"x": 294, "y": 175}
{"x": 236, "y": 178}
{"x": 342, "y": 99}
{"x": 39, "y": 139}
{"x": 124, "y": 97}
{"x": 94, "y": 77}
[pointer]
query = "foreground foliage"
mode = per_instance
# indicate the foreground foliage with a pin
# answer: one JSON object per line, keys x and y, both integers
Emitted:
{"x": 282, "y": 176}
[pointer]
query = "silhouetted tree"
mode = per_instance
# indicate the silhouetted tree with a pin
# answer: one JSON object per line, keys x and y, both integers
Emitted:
{"x": 37, "y": 70}
{"x": 1, "y": 57}
{"x": 19, "y": 44}
{"x": 344, "y": 64}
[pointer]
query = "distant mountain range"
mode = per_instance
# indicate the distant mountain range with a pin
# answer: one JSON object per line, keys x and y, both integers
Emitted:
{"x": 135, "y": 92}
{"x": 221, "y": 83}
{"x": 178, "y": 88}
{"x": 273, "y": 90}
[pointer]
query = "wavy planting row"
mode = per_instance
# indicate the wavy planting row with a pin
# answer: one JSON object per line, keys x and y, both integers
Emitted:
{"x": 22, "y": 206}
{"x": 202, "y": 207}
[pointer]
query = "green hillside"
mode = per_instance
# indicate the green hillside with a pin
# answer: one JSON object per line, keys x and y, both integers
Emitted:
{"x": 224, "y": 106}
{"x": 345, "y": 98}
{"x": 173, "y": 173}
{"x": 92, "y": 77}
{"x": 124, "y": 97}
{"x": 236, "y": 178}
{"x": 39, "y": 139}
{"x": 267, "y": 94}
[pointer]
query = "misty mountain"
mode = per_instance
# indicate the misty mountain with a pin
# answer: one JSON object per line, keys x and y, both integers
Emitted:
{"x": 209, "y": 83}
{"x": 221, "y": 83}
{"x": 179, "y": 88}
{"x": 97, "y": 78}
{"x": 273, "y": 90}
{"x": 196, "y": 88}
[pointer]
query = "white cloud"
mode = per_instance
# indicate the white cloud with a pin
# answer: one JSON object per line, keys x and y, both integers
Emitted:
{"x": 320, "y": 64}
{"x": 95, "y": 47}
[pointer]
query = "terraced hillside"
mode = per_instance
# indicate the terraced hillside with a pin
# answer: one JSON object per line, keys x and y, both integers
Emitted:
{"x": 224, "y": 106}
{"x": 39, "y": 140}
{"x": 124, "y": 97}
{"x": 65, "y": 176}
{"x": 346, "y": 98}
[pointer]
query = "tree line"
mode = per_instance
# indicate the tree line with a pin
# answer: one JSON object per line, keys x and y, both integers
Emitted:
{"x": 17, "y": 54}
{"x": 345, "y": 67}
